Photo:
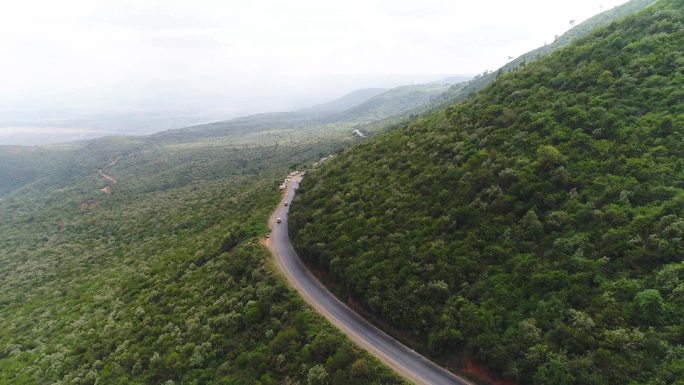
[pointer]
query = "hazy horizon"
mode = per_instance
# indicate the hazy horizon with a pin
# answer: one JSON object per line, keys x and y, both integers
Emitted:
{"x": 60, "y": 126}
{"x": 170, "y": 64}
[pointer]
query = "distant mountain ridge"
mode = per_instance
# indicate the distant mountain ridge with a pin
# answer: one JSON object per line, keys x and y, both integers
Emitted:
{"x": 359, "y": 107}
{"x": 347, "y": 101}
{"x": 456, "y": 79}
{"x": 393, "y": 102}
{"x": 20, "y": 166}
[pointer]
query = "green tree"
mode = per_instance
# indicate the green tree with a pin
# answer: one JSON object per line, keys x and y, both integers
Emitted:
{"x": 554, "y": 372}
{"x": 649, "y": 306}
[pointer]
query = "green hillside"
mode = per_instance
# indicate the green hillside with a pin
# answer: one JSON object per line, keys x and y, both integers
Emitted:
{"x": 20, "y": 166}
{"x": 537, "y": 227}
{"x": 165, "y": 279}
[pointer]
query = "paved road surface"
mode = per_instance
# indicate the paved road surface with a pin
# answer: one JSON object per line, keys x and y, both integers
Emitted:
{"x": 405, "y": 361}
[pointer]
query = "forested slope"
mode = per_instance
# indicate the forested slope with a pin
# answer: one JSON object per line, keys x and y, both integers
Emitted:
{"x": 538, "y": 227}
{"x": 162, "y": 279}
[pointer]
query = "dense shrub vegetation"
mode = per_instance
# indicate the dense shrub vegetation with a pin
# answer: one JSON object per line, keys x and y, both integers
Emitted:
{"x": 165, "y": 280}
{"x": 537, "y": 227}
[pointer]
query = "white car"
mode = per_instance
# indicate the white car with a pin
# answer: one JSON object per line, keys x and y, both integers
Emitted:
{"x": 278, "y": 220}
{"x": 285, "y": 203}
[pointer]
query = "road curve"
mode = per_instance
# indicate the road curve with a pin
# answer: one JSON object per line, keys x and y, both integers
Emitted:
{"x": 391, "y": 352}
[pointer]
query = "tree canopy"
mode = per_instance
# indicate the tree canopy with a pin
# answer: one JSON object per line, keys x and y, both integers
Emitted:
{"x": 536, "y": 227}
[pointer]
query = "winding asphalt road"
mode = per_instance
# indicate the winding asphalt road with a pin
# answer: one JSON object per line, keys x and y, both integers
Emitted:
{"x": 402, "y": 359}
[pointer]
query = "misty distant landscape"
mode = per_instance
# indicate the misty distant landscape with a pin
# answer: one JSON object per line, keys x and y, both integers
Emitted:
{"x": 318, "y": 193}
{"x": 58, "y": 126}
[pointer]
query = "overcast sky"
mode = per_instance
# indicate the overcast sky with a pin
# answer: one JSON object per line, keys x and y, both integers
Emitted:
{"x": 233, "y": 56}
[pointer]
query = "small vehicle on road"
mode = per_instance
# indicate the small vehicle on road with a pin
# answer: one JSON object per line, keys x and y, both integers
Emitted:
{"x": 285, "y": 203}
{"x": 278, "y": 220}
